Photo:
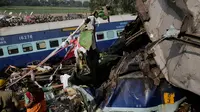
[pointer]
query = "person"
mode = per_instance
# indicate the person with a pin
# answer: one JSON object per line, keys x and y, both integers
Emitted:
{"x": 8, "y": 100}
{"x": 34, "y": 99}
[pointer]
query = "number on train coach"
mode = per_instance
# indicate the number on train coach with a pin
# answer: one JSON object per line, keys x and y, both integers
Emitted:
{"x": 169, "y": 98}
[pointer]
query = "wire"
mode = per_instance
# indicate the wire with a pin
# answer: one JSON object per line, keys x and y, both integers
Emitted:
{"x": 50, "y": 55}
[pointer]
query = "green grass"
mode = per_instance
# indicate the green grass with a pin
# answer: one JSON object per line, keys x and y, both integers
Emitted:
{"x": 44, "y": 9}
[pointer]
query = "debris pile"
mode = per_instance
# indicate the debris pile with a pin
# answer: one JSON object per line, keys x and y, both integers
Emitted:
{"x": 147, "y": 69}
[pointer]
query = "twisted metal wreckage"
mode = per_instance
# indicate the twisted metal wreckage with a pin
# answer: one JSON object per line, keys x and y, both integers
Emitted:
{"x": 158, "y": 49}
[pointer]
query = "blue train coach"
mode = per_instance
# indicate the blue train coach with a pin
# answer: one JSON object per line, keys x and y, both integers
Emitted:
{"x": 22, "y": 44}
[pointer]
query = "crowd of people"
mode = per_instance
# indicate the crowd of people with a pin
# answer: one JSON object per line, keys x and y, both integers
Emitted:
{"x": 9, "y": 20}
{"x": 33, "y": 98}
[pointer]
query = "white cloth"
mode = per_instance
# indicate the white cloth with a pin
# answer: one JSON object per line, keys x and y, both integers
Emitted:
{"x": 64, "y": 80}
{"x": 90, "y": 25}
{"x": 80, "y": 49}
{"x": 15, "y": 75}
{"x": 47, "y": 67}
{"x": 63, "y": 44}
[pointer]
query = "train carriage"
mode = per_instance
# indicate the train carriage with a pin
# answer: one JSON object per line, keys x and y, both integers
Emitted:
{"x": 22, "y": 44}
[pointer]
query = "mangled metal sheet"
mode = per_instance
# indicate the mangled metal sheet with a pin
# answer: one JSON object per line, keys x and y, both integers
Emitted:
{"x": 178, "y": 62}
{"x": 135, "y": 93}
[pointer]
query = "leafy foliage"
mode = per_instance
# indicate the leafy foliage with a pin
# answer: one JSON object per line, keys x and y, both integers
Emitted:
{"x": 119, "y": 6}
{"x": 4, "y": 2}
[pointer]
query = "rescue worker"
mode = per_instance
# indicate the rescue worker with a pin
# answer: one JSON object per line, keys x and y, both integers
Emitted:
{"x": 103, "y": 13}
{"x": 34, "y": 99}
{"x": 8, "y": 100}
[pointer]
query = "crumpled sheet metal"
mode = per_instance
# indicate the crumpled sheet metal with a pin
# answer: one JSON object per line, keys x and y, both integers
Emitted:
{"x": 135, "y": 93}
{"x": 178, "y": 62}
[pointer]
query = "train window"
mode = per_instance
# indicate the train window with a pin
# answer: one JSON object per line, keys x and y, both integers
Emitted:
{"x": 119, "y": 33}
{"x": 27, "y": 47}
{"x": 100, "y": 36}
{"x": 13, "y": 49}
{"x": 41, "y": 45}
{"x": 110, "y": 34}
{"x": 54, "y": 43}
{"x": 1, "y": 52}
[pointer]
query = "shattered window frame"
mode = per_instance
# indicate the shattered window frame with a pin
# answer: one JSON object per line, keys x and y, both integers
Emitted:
{"x": 13, "y": 49}
{"x": 63, "y": 39}
{"x": 119, "y": 33}
{"x": 27, "y": 47}
{"x": 41, "y": 45}
{"x": 100, "y": 38}
{"x": 1, "y": 52}
{"x": 110, "y": 34}
{"x": 53, "y": 43}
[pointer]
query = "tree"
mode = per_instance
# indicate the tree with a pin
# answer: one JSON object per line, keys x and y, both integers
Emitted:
{"x": 5, "y": 2}
{"x": 17, "y": 2}
{"x": 78, "y": 4}
{"x": 128, "y": 6}
{"x": 34, "y": 3}
{"x": 86, "y": 4}
{"x": 95, "y": 4}
{"x": 53, "y": 2}
{"x": 118, "y": 6}
{"x": 43, "y": 2}
{"x": 71, "y": 3}
{"x": 61, "y": 2}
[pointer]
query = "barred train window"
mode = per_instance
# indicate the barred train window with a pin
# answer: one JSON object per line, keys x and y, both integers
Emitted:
{"x": 41, "y": 45}
{"x": 13, "y": 49}
{"x": 53, "y": 43}
{"x": 100, "y": 36}
{"x": 27, "y": 47}
{"x": 1, "y": 52}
